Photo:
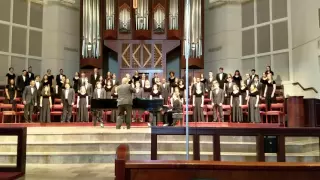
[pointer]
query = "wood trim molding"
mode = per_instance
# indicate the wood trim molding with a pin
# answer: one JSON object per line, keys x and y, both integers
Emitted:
{"x": 303, "y": 88}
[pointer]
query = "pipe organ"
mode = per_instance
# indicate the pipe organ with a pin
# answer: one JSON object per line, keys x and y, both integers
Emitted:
{"x": 141, "y": 32}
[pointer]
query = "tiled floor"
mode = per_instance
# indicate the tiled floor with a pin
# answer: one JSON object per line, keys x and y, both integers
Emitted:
{"x": 70, "y": 172}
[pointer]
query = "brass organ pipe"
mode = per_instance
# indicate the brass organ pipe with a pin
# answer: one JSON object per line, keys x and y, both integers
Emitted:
{"x": 98, "y": 30}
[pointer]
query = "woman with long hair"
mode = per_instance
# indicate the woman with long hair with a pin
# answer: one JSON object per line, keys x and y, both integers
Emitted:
{"x": 235, "y": 103}
{"x": 198, "y": 101}
{"x": 253, "y": 104}
{"x": 108, "y": 88}
{"x": 10, "y": 75}
{"x": 11, "y": 93}
{"x": 155, "y": 94}
{"x": 76, "y": 82}
{"x": 264, "y": 82}
{"x": 147, "y": 89}
{"x": 82, "y": 105}
{"x": 138, "y": 94}
{"x": 269, "y": 92}
{"x": 45, "y": 105}
{"x": 237, "y": 78}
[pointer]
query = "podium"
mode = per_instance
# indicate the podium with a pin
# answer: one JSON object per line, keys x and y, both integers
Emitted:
{"x": 295, "y": 111}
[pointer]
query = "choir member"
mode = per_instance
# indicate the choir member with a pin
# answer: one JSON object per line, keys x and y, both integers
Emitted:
{"x": 143, "y": 80}
{"x": 101, "y": 80}
{"x": 11, "y": 93}
{"x": 257, "y": 83}
{"x": 45, "y": 82}
{"x": 236, "y": 103}
{"x": 108, "y": 88}
{"x": 228, "y": 88}
{"x": 253, "y": 105}
{"x": 67, "y": 98}
{"x": 82, "y": 105}
{"x": 171, "y": 79}
{"x": 253, "y": 74}
{"x": 94, "y": 77}
{"x": 174, "y": 84}
{"x": 99, "y": 93}
{"x": 203, "y": 80}
{"x": 182, "y": 89}
{"x": 217, "y": 98}
{"x": 29, "y": 98}
{"x": 165, "y": 91}
{"x": 248, "y": 80}
{"x": 67, "y": 81}
{"x": 50, "y": 79}
{"x": 269, "y": 91}
{"x": 22, "y": 82}
{"x": 244, "y": 92}
{"x": 147, "y": 90}
{"x": 129, "y": 79}
{"x": 89, "y": 88}
{"x": 263, "y": 82}
{"x": 45, "y": 104}
{"x": 61, "y": 85}
{"x": 138, "y": 94}
{"x": 191, "y": 88}
{"x": 114, "y": 80}
{"x": 155, "y": 94}
{"x": 76, "y": 82}
{"x": 268, "y": 71}
{"x": 82, "y": 80}
{"x": 30, "y": 74}
{"x": 108, "y": 76}
{"x": 221, "y": 78}
{"x": 38, "y": 87}
{"x": 198, "y": 100}
{"x": 114, "y": 95}
{"x": 209, "y": 82}
{"x": 135, "y": 77}
{"x": 59, "y": 78}
{"x": 237, "y": 78}
{"x": 176, "y": 104}
{"x": 155, "y": 78}
{"x": 10, "y": 75}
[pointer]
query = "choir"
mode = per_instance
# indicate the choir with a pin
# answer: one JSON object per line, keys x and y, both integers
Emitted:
{"x": 219, "y": 91}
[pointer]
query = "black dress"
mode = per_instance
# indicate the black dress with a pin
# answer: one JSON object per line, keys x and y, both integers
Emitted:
{"x": 237, "y": 80}
{"x": 10, "y": 76}
{"x": 155, "y": 96}
{"x": 171, "y": 80}
{"x": 173, "y": 86}
{"x": 236, "y": 108}
{"x": 181, "y": 91}
{"x": 76, "y": 84}
{"x": 269, "y": 99}
{"x": 198, "y": 115}
{"x": 264, "y": 83}
{"x": 253, "y": 111}
{"x": 136, "y": 78}
{"x": 243, "y": 91}
{"x": 50, "y": 79}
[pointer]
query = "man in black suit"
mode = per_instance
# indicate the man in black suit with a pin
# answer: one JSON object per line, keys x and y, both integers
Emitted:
{"x": 22, "y": 82}
{"x": 221, "y": 78}
{"x": 248, "y": 80}
{"x": 253, "y": 74}
{"x": 30, "y": 74}
{"x": 155, "y": 76}
{"x": 94, "y": 77}
{"x": 59, "y": 78}
{"x": 114, "y": 80}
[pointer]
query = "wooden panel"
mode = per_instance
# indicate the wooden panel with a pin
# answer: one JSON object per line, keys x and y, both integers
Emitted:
{"x": 295, "y": 106}
{"x": 91, "y": 62}
{"x": 312, "y": 112}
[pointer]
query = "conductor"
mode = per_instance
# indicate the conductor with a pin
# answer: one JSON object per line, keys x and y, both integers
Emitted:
{"x": 125, "y": 91}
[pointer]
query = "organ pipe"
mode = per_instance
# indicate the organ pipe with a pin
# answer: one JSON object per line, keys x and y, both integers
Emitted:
{"x": 142, "y": 15}
{"x": 110, "y": 14}
{"x": 173, "y": 14}
{"x": 124, "y": 19}
{"x": 91, "y": 29}
{"x": 159, "y": 17}
{"x": 193, "y": 29}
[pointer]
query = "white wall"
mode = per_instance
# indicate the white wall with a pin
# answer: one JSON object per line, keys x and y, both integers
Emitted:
{"x": 61, "y": 43}
{"x": 305, "y": 37}
{"x": 223, "y": 34}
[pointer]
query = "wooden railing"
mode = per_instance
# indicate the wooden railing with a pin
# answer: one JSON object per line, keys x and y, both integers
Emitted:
{"x": 210, "y": 170}
{"x": 305, "y": 89}
{"x": 216, "y": 132}
{"x": 20, "y": 168}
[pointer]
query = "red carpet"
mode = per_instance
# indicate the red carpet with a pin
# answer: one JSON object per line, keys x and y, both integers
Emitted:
{"x": 135, "y": 124}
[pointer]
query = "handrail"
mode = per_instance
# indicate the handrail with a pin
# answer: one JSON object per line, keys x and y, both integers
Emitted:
{"x": 305, "y": 89}
{"x": 21, "y": 132}
{"x": 216, "y": 132}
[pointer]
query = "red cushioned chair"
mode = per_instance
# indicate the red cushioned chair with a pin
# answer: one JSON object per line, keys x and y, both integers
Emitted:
{"x": 276, "y": 110}
{"x": 7, "y": 110}
{"x": 56, "y": 110}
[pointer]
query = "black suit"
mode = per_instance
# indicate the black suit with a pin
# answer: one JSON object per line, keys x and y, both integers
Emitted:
{"x": 30, "y": 76}
{"x": 93, "y": 80}
{"x": 21, "y": 84}
{"x": 58, "y": 80}
{"x": 221, "y": 80}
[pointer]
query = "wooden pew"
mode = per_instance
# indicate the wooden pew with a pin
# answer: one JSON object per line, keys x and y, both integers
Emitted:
{"x": 210, "y": 170}
{"x": 14, "y": 172}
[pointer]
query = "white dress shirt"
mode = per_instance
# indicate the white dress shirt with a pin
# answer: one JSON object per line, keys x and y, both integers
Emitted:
{"x": 37, "y": 85}
{"x": 95, "y": 76}
{"x": 24, "y": 78}
{"x": 66, "y": 93}
{"x": 220, "y": 76}
{"x": 32, "y": 90}
{"x": 98, "y": 92}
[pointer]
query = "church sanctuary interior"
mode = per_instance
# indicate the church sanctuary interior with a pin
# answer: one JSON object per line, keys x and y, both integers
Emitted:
{"x": 159, "y": 89}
